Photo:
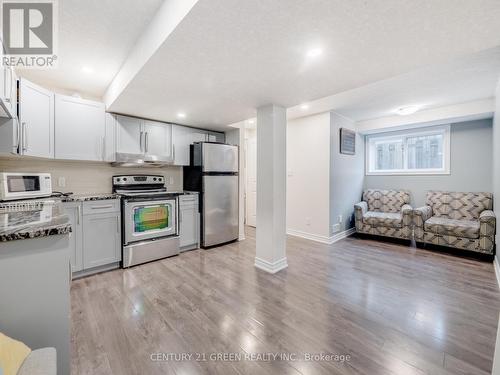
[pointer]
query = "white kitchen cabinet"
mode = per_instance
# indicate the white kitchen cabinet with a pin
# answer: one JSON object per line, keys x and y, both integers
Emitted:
{"x": 101, "y": 237}
{"x": 36, "y": 115}
{"x": 110, "y": 138}
{"x": 80, "y": 130}
{"x": 157, "y": 138}
{"x": 189, "y": 219}
{"x": 129, "y": 135}
{"x": 74, "y": 211}
{"x": 181, "y": 139}
{"x": 8, "y": 89}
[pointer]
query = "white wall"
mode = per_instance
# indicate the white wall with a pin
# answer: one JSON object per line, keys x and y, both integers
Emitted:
{"x": 308, "y": 171}
{"x": 346, "y": 175}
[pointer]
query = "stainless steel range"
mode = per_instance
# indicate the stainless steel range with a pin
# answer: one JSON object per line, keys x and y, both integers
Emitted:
{"x": 149, "y": 218}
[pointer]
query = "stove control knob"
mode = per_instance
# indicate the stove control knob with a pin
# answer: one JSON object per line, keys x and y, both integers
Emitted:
{"x": 124, "y": 178}
{"x": 154, "y": 178}
{"x": 118, "y": 179}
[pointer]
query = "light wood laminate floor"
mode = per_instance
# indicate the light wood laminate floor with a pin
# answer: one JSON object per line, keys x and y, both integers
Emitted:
{"x": 392, "y": 308}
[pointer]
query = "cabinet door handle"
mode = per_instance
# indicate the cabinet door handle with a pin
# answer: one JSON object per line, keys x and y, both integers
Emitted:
{"x": 25, "y": 136}
{"x": 18, "y": 136}
{"x": 146, "y": 143}
{"x": 140, "y": 140}
{"x": 117, "y": 224}
{"x": 78, "y": 213}
{"x": 103, "y": 148}
{"x": 173, "y": 151}
{"x": 101, "y": 207}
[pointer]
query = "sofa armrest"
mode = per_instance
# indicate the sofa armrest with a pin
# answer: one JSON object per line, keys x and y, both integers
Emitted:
{"x": 360, "y": 210}
{"x": 420, "y": 215}
{"x": 406, "y": 209}
{"x": 40, "y": 362}
{"x": 487, "y": 216}
{"x": 487, "y": 224}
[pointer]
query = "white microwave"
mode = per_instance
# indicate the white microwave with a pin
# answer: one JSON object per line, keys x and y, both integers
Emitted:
{"x": 24, "y": 185}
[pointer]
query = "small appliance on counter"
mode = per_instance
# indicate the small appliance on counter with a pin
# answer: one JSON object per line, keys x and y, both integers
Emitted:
{"x": 14, "y": 185}
{"x": 150, "y": 229}
{"x": 213, "y": 172}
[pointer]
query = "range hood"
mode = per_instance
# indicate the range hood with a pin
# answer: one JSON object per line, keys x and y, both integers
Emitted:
{"x": 141, "y": 160}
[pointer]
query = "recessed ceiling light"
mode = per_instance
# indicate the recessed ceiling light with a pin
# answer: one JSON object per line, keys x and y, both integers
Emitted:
{"x": 87, "y": 70}
{"x": 304, "y": 106}
{"x": 407, "y": 110}
{"x": 181, "y": 115}
{"x": 314, "y": 52}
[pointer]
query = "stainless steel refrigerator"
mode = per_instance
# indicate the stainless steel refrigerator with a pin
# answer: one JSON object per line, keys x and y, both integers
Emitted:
{"x": 213, "y": 172}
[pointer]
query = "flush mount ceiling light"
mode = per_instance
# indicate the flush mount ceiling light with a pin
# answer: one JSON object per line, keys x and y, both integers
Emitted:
{"x": 181, "y": 115}
{"x": 251, "y": 121}
{"x": 304, "y": 106}
{"x": 314, "y": 52}
{"x": 407, "y": 110}
{"x": 87, "y": 70}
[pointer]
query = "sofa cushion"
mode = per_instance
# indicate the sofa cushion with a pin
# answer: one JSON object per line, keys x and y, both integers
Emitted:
{"x": 386, "y": 200}
{"x": 452, "y": 227}
{"x": 383, "y": 219}
{"x": 457, "y": 205}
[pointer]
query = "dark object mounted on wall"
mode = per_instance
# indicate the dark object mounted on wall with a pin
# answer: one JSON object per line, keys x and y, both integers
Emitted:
{"x": 347, "y": 141}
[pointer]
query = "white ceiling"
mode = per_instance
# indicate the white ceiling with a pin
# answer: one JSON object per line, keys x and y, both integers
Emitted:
{"x": 96, "y": 34}
{"x": 228, "y": 57}
{"x": 457, "y": 81}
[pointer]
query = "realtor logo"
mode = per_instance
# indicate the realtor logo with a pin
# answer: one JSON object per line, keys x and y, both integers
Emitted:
{"x": 29, "y": 33}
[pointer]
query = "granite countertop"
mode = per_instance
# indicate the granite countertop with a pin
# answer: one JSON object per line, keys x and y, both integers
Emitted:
{"x": 88, "y": 197}
{"x": 31, "y": 219}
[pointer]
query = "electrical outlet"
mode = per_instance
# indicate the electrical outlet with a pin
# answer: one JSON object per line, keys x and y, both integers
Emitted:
{"x": 335, "y": 228}
{"x": 339, "y": 219}
{"x": 171, "y": 180}
{"x": 61, "y": 182}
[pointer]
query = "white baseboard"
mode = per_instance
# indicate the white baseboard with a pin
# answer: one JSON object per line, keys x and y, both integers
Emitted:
{"x": 496, "y": 266}
{"x": 271, "y": 267}
{"x": 319, "y": 238}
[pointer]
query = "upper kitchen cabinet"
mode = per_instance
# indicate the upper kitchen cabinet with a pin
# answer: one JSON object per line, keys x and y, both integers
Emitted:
{"x": 8, "y": 90}
{"x": 80, "y": 130}
{"x": 129, "y": 135}
{"x": 181, "y": 139}
{"x": 184, "y": 136}
{"x": 36, "y": 116}
{"x": 110, "y": 138}
{"x": 157, "y": 138}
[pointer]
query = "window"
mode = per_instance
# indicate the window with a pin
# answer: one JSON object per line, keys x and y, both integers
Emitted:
{"x": 425, "y": 151}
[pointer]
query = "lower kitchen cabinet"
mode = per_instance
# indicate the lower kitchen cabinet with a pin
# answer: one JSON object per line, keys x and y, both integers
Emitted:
{"x": 95, "y": 241}
{"x": 74, "y": 211}
{"x": 189, "y": 219}
{"x": 101, "y": 239}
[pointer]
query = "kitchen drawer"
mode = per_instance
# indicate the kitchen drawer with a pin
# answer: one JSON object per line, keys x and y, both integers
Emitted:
{"x": 101, "y": 206}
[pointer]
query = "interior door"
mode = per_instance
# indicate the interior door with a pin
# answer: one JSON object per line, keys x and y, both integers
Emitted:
{"x": 157, "y": 138}
{"x": 129, "y": 135}
{"x": 251, "y": 181}
{"x": 36, "y": 114}
{"x": 220, "y": 209}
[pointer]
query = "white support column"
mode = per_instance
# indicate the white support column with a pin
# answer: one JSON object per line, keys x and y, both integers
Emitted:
{"x": 271, "y": 189}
